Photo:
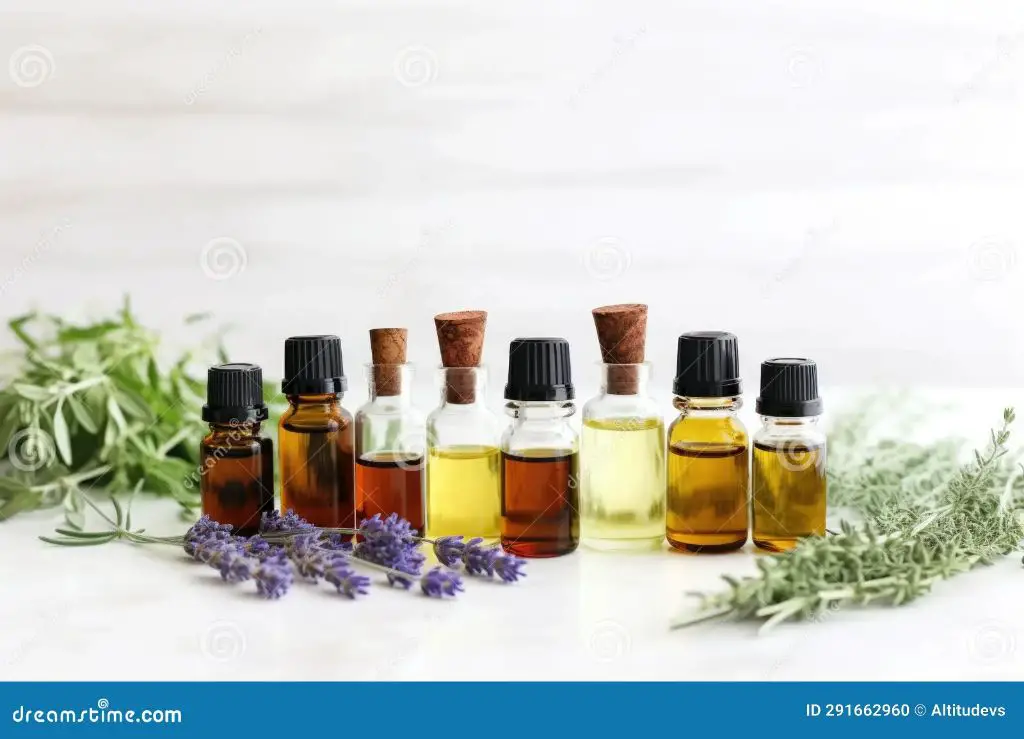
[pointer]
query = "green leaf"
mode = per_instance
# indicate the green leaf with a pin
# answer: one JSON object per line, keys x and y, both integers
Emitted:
{"x": 115, "y": 414}
{"x": 78, "y": 542}
{"x": 24, "y": 501}
{"x": 11, "y": 488}
{"x": 85, "y": 333}
{"x": 9, "y": 427}
{"x": 32, "y": 392}
{"x": 134, "y": 404}
{"x": 198, "y": 317}
{"x": 17, "y": 326}
{"x": 75, "y": 519}
{"x": 82, "y": 415}
{"x": 60, "y": 433}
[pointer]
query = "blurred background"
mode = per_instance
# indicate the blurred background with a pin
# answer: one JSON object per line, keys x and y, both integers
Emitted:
{"x": 837, "y": 179}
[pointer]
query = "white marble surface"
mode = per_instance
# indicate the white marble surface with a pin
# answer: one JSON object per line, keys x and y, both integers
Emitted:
{"x": 834, "y": 178}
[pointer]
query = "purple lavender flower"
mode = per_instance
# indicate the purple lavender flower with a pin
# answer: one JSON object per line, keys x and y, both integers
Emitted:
{"x": 290, "y": 521}
{"x": 509, "y": 567}
{"x": 438, "y": 583}
{"x": 273, "y": 577}
{"x": 304, "y": 552}
{"x": 257, "y": 546}
{"x": 203, "y": 529}
{"x": 449, "y": 550}
{"x": 480, "y": 560}
{"x": 234, "y": 566}
{"x": 336, "y": 542}
{"x": 340, "y": 574}
{"x": 391, "y": 543}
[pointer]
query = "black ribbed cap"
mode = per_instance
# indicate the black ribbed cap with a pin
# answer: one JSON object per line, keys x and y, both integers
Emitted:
{"x": 312, "y": 366}
{"x": 789, "y": 388}
{"x": 234, "y": 392}
{"x": 707, "y": 365}
{"x": 538, "y": 369}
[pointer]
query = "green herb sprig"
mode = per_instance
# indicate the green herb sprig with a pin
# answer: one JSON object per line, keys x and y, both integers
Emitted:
{"x": 91, "y": 407}
{"x": 925, "y": 518}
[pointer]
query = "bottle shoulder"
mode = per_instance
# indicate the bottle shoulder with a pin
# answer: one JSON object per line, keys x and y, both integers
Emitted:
{"x": 609, "y": 407}
{"x": 727, "y": 429}
{"x": 804, "y": 434}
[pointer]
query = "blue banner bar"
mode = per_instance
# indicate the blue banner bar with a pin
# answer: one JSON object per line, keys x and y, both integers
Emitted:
{"x": 526, "y": 710}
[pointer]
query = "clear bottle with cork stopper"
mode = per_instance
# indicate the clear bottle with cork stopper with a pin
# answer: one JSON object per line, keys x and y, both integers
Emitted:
{"x": 237, "y": 464}
{"x": 623, "y": 443}
{"x": 316, "y": 434}
{"x": 708, "y": 471}
{"x": 539, "y": 452}
{"x": 788, "y": 481}
{"x": 390, "y": 435}
{"x": 463, "y": 436}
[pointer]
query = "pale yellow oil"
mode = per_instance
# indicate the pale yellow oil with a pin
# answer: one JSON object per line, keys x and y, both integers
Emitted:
{"x": 464, "y": 492}
{"x": 622, "y": 488}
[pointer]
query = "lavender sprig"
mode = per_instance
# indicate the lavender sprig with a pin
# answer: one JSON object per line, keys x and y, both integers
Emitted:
{"x": 340, "y": 574}
{"x": 391, "y": 543}
{"x": 478, "y": 560}
{"x": 438, "y": 583}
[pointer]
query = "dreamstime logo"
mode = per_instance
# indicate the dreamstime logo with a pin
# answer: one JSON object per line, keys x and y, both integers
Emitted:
{"x": 993, "y": 642}
{"x": 223, "y": 65}
{"x": 609, "y": 641}
{"x": 623, "y": 44}
{"x": 803, "y": 68}
{"x": 31, "y": 66}
{"x": 607, "y": 259}
{"x": 222, "y": 258}
{"x": 795, "y": 456}
{"x": 411, "y": 445}
{"x": 223, "y": 641}
{"x": 31, "y": 449}
{"x": 41, "y": 247}
{"x": 991, "y": 259}
{"x": 416, "y": 66}
{"x": 1006, "y": 47}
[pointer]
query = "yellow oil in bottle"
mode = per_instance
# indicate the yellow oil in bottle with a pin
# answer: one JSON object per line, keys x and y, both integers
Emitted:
{"x": 623, "y": 483}
{"x": 789, "y": 494}
{"x": 464, "y": 491}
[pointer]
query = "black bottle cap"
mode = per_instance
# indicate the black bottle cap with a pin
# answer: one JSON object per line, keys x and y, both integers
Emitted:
{"x": 312, "y": 366}
{"x": 538, "y": 369}
{"x": 789, "y": 388}
{"x": 707, "y": 365}
{"x": 234, "y": 394}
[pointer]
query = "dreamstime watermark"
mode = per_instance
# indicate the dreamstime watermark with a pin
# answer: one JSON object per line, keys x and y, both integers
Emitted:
{"x": 607, "y": 258}
{"x": 609, "y": 641}
{"x": 623, "y": 45}
{"x": 429, "y": 237}
{"x": 223, "y": 258}
{"x": 31, "y": 66}
{"x": 238, "y": 430}
{"x": 41, "y": 247}
{"x": 803, "y": 68}
{"x": 814, "y": 239}
{"x": 223, "y": 641}
{"x": 991, "y": 259}
{"x": 102, "y": 713}
{"x": 416, "y": 66}
{"x": 31, "y": 449}
{"x": 224, "y": 64}
{"x": 992, "y": 642}
{"x": 1006, "y": 47}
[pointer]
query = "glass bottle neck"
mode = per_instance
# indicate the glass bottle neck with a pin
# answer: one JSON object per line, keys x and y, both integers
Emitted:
{"x": 784, "y": 423}
{"x": 707, "y": 406}
{"x": 524, "y": 411}
{"x": 244, "y": 430}
{"x": 463, "y": 386}
{"x": 390, "y": 385}
{"x": 328, "y": 400}
{"x": 625, "y": 379}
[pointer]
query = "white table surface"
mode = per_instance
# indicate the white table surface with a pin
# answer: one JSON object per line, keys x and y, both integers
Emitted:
{"x": 127, "y": 612}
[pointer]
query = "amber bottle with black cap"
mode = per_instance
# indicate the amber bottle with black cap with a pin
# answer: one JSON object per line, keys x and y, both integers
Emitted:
{"x": 316, "y": 434}
{"x": 237, "y": 464}
{"x": 539, "y": 452}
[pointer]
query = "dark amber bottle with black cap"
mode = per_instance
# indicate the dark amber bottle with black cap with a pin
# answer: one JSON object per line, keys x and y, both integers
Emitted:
{"x": 708, "y": 479}
{"x": 316, "y": 434}
{"x": 788, "y": 481}
{"x": 539, "y": 452}
{"x": 237, "y": 465}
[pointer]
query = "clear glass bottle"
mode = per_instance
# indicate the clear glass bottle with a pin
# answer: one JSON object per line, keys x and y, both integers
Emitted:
{"x": 236, "y": 463}
{"x": 390, "y": 445}
{"x": 463, "y": 459}
{"x": 539, "y": 452}
{"x": 622, "y": 490}
{"x": 708, "y": 472}
{"x": 315, "y": 435}
{"x": 789, "y": 499}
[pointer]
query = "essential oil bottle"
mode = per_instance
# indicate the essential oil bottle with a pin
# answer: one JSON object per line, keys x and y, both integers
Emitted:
{"x": 789, "y": 487}
{"x": 316, "y": 434}
{"x": 622, "y": 486}
{"x": 539, "y": 452}
{"x": 708, "y": 481}
{"x": 463, "y": 437}
{"x": 390, "y": 435}
{"x": 237, "y": 472}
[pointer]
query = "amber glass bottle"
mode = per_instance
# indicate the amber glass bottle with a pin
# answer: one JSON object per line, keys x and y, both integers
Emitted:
{"x": 316, "y": 434}
{"x": 237, "y": 464}
{"x": 789, "y": 484}
{"x": 708, "y": 484}
{"x": 539, "y": 452}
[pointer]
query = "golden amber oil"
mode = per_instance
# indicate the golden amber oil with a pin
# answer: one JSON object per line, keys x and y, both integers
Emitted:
{"x": 622, "y": 487}
{"x": 464, "y": 491}
{"x": 789, "y": 494}
{"x": 708, "y": 485}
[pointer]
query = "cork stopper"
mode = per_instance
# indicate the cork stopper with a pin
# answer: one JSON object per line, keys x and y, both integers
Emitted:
{"x": 622, "y": 334}
{"x": 387, "y": 347}
{"x": 460, "y": 336}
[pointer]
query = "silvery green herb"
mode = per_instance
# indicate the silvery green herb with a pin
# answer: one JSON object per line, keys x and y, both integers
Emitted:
{"x": 925, "y": 517}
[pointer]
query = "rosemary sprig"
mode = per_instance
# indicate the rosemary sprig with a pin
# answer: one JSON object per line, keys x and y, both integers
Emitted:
{"x": 925, "y": 520}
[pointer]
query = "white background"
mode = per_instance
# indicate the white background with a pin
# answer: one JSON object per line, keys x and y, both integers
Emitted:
{"x": 840, "y": 179}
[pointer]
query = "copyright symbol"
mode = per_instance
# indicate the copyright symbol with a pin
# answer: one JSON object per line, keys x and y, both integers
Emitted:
{"x": 919, "y": 709}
